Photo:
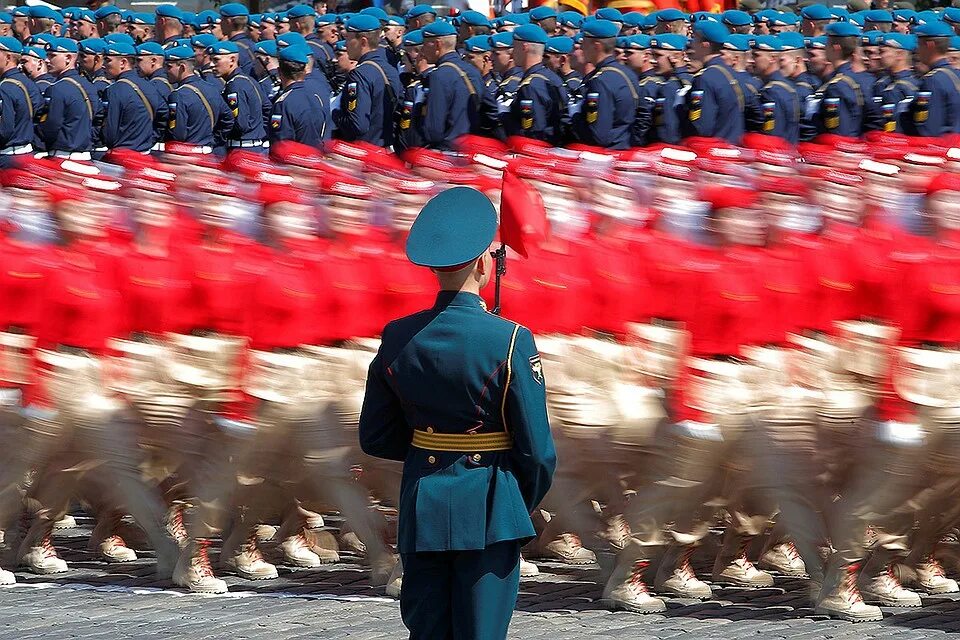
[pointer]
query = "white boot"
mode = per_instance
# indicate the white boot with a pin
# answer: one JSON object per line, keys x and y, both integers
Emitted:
{"x": 114, "y": 549}
{"x": 677, "y": 578}
{"x": 784, "y": 559}
{"x": 7, "y": 577}
{"x": 395, "y": 582}
{"x": 933, "y": 579}
{"x": 627, "y": 590}
{"x": 528, "y": 569}
{"x": 248, "y": 562}
{"x": 194, "y": 571}
{"x": 296, "y": 552}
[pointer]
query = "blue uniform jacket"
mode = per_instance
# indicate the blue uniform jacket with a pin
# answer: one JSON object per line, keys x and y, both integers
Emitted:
{"x": 130, "y": 111}
{"x": 716, "y": 103}
{"x": 197, "y": 114}
{"x": 70, "y": 107}
{"x": 318, "y": 84}
{"x": 369, "y": 101}
{"x": 936, "y": 109}
{"x": 896, "y": 97}
{"x": 410, "y": 118}
{"x": 455, "y": 91}
{"x": 245, "y": 58}
{"x": 455, "y": 369}
{"x": 782, "y": 108}
{"x": 299, "y": 114}
{"x": 539, "y": 109}
{"x": 848, "y": 108}
{"x": 322, "y": 52}
{"x": 23, "y": 98}
{"x": 670, "y": 109}
{"x": 610, "y": 99}
{"x": 572, "y": 81}
{"x": 246, "y": 101}
{"x": 161, "y": 84}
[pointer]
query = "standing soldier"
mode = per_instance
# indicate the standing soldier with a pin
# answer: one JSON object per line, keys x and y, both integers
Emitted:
{"x": 298, "y": 114}
{"x": 244, "y": 97}
{"x": 130, "y": 104}
{"x": 539, "y": 110}
{"x": 460, "y": 551}
{"x": 936, "y": 109}
{"x": 20, "y": 98}
{"x": 847, "y": 108}
{"x": 455, "y": 89}
{"x": 610, "y": 98}
{"x": 716, "y": 102}
{"x": 70, "y": 106}
{"x": 196, "y": 112}
{"x": 369, "y": 99}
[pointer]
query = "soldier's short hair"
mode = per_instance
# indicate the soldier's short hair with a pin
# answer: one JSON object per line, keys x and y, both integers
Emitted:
{"x": 848, "y": 45}
{"x": 291, "y": 69}
{"x": 942, "y": 45}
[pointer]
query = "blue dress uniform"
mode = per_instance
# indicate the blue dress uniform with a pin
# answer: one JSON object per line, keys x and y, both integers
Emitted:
{"x": 716, "y": 103}
{"x": 936, "y": 109}
{"x": 21, "y": 98}
{"x": 369, "y": 101}
{"x": 130, "y": 107}
{"x": 847, "y": 107}
{"x": 196, "y": 112}
{"x": 572, "y": 82}
{"x": 457, "y": 394}
{"x": 782, "y": 108}
{"x": 410, "y": 117}
{"x": 299, "y": 113}
{"x": 539, "y": 109}
{"x": 455, "y": 92}
{"x": 896, "y": 98}
{"x": 245, "y": 99}
{"x": 70, "y": 107}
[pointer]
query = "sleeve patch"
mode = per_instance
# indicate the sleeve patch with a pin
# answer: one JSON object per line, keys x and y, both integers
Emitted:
{"x": 536, "y": 368}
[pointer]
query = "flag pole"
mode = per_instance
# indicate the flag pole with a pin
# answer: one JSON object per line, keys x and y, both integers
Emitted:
{"x": 501, "y": 258}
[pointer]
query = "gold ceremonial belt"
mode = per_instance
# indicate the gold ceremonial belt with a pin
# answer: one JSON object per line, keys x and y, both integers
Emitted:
{"x": 500, "y": 441}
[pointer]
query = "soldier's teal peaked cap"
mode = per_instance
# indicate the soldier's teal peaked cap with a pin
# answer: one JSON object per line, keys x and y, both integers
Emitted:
{"x": 454, "y": 227}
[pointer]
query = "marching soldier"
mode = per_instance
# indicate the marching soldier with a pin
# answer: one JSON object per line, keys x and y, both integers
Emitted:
{"x": 196, "y": 112}
{"x": 461, "y": 573}
{"x": 779, "y": 100}
{"x": 150, "y": 66}
{"x": 559, "y": 49}
{"x": 410, "y": 118}
{"x": 936, "y": 108}
{"x": 847, "y": 107}
{"x": 21, "y": 99}
{"x": 716, "y": 102}
{"x": 897, "y": 94}
{"x": 70, "y": 106}
{"x": 669, "y": 50}
{"x": 539, "y": 108}
{"x": 455, "y": 87}
{"x": 298, "y": 114}
{"x": 131, "y": 103}
{"x": 244, "y": 98}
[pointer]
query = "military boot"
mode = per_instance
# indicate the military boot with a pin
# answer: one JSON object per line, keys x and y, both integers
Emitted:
{"x": 784, "y": 559}
{"x": 42, "y": 558}
{"x": 933, "y": 579}
{"x": 64, "y": 523}
{"x": 844, "y": 601}
{"x": 616, "y": 532}
{"x": 879, "y": 585}
{"x": 732, "y": 565}
{"x": 675, "y": 576}
{"x": 297, "y": 553}
{"x": 324, "y": 544}
{"x": 626, "y": 588}
{"x": 173, "y": 522}
{"x": 395, "y": 582}
{"x": 7, "y": 577}
{"x": 528, "y": 569}
{"x": 194, "y": 571}
{"x": 110, "y": 545}
{"x": 248, "y": 562}
{"x": 553, "y": 544}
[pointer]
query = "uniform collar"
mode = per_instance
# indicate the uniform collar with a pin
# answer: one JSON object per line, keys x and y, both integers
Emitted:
{"x": 370, "y": 55}
{"x": 942, "y": 62}
{"x": 192, "y": 78}
{"x": 457, "y": 299}
{"x": 534, "y": 69}
{"x": 906, "y": 73}
{"x": 717, "y": 61}
{"x": 447, "y": 57}
{"x": 844, "y": 68}
{"x": 239, "y": 36}
{"x": 69, "y": 72}
{"x": 129, "y": 74}
{"x": 775, "y": 77}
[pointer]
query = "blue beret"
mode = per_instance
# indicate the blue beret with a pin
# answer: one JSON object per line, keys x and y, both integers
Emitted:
{"x": 92, "y": 46}
{"x": 190, "y": 18}
{"x": 934, "y": 30}
{"x": 871, "y": 38}
{"x": 376, "y": 12}
{"x": 570, "y": 19}
{"x": 122, "y": 38}
{"x": 255, "y": 20}
{"x": 119, "y": 49}
{"x": 842, "y": 30}
{"x": 501, "y": 40}
{"x": 763, "y": 43}
{"x": 63, "y": 45}
{"x": 181, "y": 42}
{"x": 879, "y": 15}
{"x": 474, "y": 19}
{"x": 295, "y": 53}
{"x": 439, "y": 29}
{"x": 820, "y": 42}
{"x": 785, "y": 19}
{"x": 790, "y": 40}
{"x": 203, "y": 40}
{"x": 362, "y": 24}
{"x": 421, "y": 9}
{"x": 413, "y": 38}
{"x": 650, "y": 21}
{"x": 669, "y": 42}
{"x": 266, "y": 47}
{"x": 530, "y": 33}
{"x": 455, "y": 227}
{"x": 10, "y": 44}
{"x": 559, "y": 44}
{"x": 609, "y": 13}
{"x": 638, "y": 41}
{"x": 905, "y": 41}
{"x": 340, "y": 46}
{"x": 169, "y": 11}
{"x": 951, "y": 15}
{"x": 43, "y": 39}
{"x": 903, "y": 15}
{"x": 20, "y": 11}
{"x": 179, "y": 53}
{"x": 103, "y": 12}
{"x": 954, "y": 44}
{"x": 594, "y": 28}
{"x": 271, "y": 18}
{"x": 633, "y": 19}
{"x": 36, "y": 52}
{"x": 327, "y": 18}
{"x": 300, "y": 11}
{"x": 290, "y": 39}
{"x": 711, "y": 31}
{"x": 623, "y": 42}
{"x": 395, "y": 20}
{"x": 233, "y": 10}
{"x": 578, "y": 37}
{"x": 144, "y": 18}
{"x": 477, "y": 44}
{"x": 150, "y": 49}
{"x": 223, "y": 48}
{"x": 208, "y": 17}
{"x": 735, "y": 18}
{"x": 85, "y": 15}
{"x": 816, "y": 12}
{"x": 283, "y": 17}
{"x": 738, "y": 42}
{"x": 515, "y": 18}
{"x": 923, "y": 17}
{"x": 5, "y": 18}
{"x": 43, "y": 11}
{"x": 542, "y": 13}
{"x": 670, "y": 15}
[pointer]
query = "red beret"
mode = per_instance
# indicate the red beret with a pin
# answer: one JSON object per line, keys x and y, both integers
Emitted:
{"x": 247, "y": 163}
{"x": 675, "y": 171}
{"x": 191, "y": 151}
{"x": 150, "y": 179}
{"x": 129, "y": 159}
{"x": 296, "y": 154}
{"x": 384, "y": 163}
{"x": 340, "y": 184}
{"x": 271, "y": 194}
{"x": 529, "y": 146}
{"x": 944, "y": 182}
{"x": 220, "y": 185}
{"x": 724, "y": 197}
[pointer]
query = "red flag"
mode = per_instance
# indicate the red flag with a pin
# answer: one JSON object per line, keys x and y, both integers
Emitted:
{"x": 523, "y": 219}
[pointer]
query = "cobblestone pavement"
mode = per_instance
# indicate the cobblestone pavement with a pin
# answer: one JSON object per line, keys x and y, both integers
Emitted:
{"x": 96, "y": 600}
